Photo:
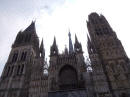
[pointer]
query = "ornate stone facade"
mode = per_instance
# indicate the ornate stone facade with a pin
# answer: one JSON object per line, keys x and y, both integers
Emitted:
{"x": 111, "y": 75}
{"x": 27, "y": 74}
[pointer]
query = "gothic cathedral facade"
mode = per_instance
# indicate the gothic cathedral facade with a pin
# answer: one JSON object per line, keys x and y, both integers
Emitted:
{"x": 27, "y": 74}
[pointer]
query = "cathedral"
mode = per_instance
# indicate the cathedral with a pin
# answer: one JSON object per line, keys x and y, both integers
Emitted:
{"x": 27, "y": 74}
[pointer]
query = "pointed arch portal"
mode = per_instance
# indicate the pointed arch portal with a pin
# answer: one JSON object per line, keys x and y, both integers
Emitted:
{"x": 68, "y": 78}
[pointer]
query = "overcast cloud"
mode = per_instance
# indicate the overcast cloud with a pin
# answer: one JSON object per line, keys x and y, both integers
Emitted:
{"x": 56, "y": 17}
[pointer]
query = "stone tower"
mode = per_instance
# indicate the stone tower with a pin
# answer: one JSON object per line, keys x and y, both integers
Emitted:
{"x": 109, "y": 61}
{"x": 38, "y": 86}
{"x": 18, "y": 71}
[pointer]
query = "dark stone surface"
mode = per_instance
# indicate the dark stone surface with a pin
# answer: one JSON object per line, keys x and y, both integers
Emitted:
{"x": 70, "y": 93}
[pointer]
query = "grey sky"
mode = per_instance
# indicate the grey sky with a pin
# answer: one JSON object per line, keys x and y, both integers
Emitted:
{"x": 16, "y": 15}
{"x": 55, "y": 17}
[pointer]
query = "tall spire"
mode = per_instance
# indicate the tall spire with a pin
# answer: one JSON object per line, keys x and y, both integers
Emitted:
{"x": 31, "y": 27}
{"x": 28, "y": 36}
{"x": 30, "y": 33}
{"x": 54, "y": 42}
{"x": 76, "y": 39}
{"x": 66, "y": 50}
{"x": 70, "y": 43}
{"x": 77, "y": 45}
{"x": 54, "y": 48}
{"x": 42, "y": 50}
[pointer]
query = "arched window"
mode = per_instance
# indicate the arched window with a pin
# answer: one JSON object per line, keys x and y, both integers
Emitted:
{"x": 18, "y": 68}
{"x": 22, "y": 69}
{"x": 8, "y": 70}
{"x": 68, "y": 78}
{"x": 23, "y": 56}
{"x": 12, "y": 68}
{"x": 15, "y": 56}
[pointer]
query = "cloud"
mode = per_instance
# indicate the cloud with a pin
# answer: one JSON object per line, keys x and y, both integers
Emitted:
{"x": 28, "y": 7}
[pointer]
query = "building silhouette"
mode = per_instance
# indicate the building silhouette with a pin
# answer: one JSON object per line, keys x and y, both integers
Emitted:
{"x": 27, "y": 74}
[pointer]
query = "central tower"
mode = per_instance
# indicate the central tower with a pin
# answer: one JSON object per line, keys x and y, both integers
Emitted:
{"x": 67, "y": 70}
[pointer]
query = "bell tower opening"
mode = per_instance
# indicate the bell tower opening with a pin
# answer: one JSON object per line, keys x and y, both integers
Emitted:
{"x": 68, "y": 78}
